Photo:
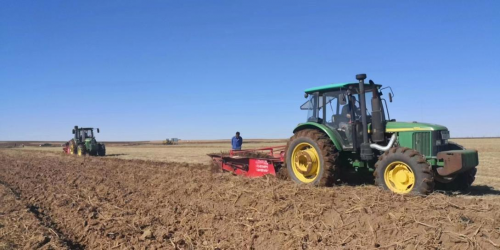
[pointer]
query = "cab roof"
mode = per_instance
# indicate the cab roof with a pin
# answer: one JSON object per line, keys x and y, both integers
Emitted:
{"x": 336, "y": 87}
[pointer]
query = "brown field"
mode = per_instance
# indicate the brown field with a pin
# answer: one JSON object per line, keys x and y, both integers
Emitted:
{"x": 196, "y": 152}
{"x": 150, "y": 196}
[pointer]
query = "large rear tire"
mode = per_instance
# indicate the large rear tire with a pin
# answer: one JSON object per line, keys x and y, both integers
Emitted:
{"x": 404, "y": 171}
{"x": 461, "y": 182}
{"x": 311, "y": 158}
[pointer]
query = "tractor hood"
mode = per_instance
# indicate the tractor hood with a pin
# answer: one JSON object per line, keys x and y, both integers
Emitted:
{"x": 412, "y": 126}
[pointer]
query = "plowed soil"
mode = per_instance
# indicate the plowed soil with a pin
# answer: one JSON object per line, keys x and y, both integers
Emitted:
{"x": 103, "y": 203}
{"x": 21, "y": 228}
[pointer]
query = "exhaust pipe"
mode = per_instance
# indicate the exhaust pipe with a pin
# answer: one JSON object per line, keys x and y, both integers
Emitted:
{"x": 75, "y": 132}
{"x": 387, "y": 147}
{"x": 378, "y": 126}
{"x": 366, "y": 153}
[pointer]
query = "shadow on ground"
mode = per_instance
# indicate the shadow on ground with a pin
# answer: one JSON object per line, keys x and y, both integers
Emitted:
{"x": 115, "y": 155}
{"x": 482, "y": 190}
{"x": 475, "y": 190}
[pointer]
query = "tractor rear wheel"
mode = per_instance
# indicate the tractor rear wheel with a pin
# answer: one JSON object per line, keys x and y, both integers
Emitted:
{"x": 311, "y": 158}
{"x": 81, "y": 150}
{"x": 404, "y": 171}
{"x": 461, "y": 182}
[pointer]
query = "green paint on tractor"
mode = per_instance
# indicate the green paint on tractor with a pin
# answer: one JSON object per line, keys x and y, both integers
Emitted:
{"x": 349, "y": 128}
{"x": 331, "y": 87}
{"x": 393, "y": 126}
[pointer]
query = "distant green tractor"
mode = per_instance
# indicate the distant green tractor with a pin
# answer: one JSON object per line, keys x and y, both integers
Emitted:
{"x": 172, "y": 141}
{"x": 84, "y": 143}
{"x": 343, "y": 136}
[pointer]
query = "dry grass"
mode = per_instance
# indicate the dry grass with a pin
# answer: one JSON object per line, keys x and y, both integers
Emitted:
{"x": 188, "y": 152}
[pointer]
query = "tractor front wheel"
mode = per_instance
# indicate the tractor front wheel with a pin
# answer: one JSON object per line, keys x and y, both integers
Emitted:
{"x": 461, "y": 182}
{"x": 81, "y": 150}
{"x": 404, "y": 171}
{"x": 311, "y": 158}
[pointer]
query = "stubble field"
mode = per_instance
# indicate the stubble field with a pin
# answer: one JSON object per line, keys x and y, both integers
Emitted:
{"x": 165, "y": 197}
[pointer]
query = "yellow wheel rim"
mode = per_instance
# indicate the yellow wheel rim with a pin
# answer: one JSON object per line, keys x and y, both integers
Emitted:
{"x": 71, "y": 149}
{"x": 399, "y": 177}
{"x": 80, "y": 151}
{"x": 305, "y": 162}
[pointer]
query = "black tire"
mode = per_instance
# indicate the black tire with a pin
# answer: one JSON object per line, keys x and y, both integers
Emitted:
{"x": 81, "y": 148}
{"x": 101, "y": 150}
{"x": 461, "y": 182}
{"x": 422, "y": 171}
{"x": 328, "y": 154}
{"x": 455, "y": 146}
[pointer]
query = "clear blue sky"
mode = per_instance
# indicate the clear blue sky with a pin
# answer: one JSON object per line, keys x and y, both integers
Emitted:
{"x": 146, "y": 70}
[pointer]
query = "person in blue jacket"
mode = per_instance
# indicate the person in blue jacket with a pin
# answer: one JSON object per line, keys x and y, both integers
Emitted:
{"x": 237, "y": 141}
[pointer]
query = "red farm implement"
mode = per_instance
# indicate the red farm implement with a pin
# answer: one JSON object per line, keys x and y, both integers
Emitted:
{"x": 251, "y": 162}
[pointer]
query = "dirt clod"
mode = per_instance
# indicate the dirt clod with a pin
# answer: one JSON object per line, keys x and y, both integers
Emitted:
{"x": 146, "y": 235}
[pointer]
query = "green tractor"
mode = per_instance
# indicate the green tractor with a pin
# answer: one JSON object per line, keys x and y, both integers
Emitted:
{"x": 84, "y": 143}
{"x": 344, "y": 136}
{"x": 172, "y": 141}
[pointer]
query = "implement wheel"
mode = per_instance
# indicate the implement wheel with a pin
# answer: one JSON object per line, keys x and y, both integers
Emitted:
{"x": 460, "y": 182}
{"x": 311, "y": 158}
{"x": 404, "y": 171}
{"x": 81, "y": 150}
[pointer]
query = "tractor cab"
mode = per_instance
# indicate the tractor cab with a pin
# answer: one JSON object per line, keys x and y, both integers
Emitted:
{"x": 86, "y": 133}
{"x": 81, "y": 134}
{"x": 337, "y": 106}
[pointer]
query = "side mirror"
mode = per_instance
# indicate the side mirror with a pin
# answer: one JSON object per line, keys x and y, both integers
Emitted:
{"x": 306, "y": 95}
{"x": 342, "y": 100}
{"x": 97, "y": 130}
{"x": 73, "y": 131}
{"x": 390, "y": 97}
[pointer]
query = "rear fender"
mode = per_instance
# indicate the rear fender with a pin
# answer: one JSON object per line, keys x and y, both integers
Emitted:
{"x": 334, "y": 136}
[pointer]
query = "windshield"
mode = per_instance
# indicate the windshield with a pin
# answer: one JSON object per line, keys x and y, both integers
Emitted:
{"x": 368, "y": 98}
{"x": 86, "y": 133}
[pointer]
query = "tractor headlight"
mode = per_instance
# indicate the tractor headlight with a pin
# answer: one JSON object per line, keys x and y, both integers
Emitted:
{"x": 438, "y": 142}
